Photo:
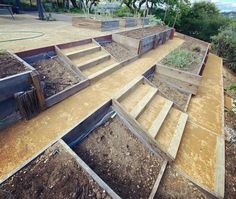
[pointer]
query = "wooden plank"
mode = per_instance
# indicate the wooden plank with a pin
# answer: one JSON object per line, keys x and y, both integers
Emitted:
{"x": 178, "y": 74}
{"x": 90, "y": 172}
{"x": 74, "y": 43}
{"x": 178, "y": 84}
{"x": 10, "y": 119}
{"x": 175, "y": 141}
{"x": 220, "y": 167}
{"x": 83, "y": 52}
{"x": 158, "y": 180}
{"x": 156, "y": 125}
{"x": 93, "y": 62}
{"x": 126, "y": 89}
{"x": 137, "y": 110}
{"x": 139, "y": 132}
{"x": 39, "y": 91}
{"x": 69, "y": 64}
{"x": 126, "y": 41}
{"x": 66, "y": 93}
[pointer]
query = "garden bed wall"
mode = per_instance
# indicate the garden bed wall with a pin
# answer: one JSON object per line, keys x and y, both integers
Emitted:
{"x": 146, "y": 43}
{"x": 100, "y": 119}
{"x": 9, "y": 86}
{"x": 40, "y": 54}
{"x": 102, "y": 25}
{"x": 128, "y": 22}
{"x": 143, "y": 21}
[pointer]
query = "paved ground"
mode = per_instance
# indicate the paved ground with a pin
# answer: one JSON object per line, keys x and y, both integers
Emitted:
{"x": 55, "y": 32}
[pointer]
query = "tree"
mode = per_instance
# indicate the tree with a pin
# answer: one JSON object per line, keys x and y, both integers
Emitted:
{"x": 224, "y": 44}
{"x": 202, "y": 21}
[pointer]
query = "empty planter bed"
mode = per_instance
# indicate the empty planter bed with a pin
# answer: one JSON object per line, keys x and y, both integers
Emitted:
{"x": 110, "y": 146}
{"x": 56, "y": 173}
{"x": 92, "y": 23}
{"x": 57, "y": 77}
{"x": 15, "y": 78}
{"x": 143, "y": 40}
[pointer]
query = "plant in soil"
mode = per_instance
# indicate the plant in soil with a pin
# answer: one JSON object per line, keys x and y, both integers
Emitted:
{"x": 183, "y": 58}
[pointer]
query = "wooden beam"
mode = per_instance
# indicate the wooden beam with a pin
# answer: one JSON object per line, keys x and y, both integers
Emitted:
{"x": 177, "y": 136}
{"x": 89, "y": 171}
{"x": 137, "y": 110}
{"x": 178, "y": 74}
{"x": 158, "y": 180}
{"x": 156, "y": 125}
{"x": 140, "y": 133}
{"x": 39, "y": 92}
{"x": 178, "y": 84}
{"x": 128, "y": 88}
{"x": 68, "y": 63}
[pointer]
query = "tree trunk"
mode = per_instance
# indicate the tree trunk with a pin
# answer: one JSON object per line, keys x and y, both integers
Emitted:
{"x": 74, "y": 3}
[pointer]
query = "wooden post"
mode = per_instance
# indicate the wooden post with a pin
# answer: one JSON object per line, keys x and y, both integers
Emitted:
{"x": 36, "y": 82}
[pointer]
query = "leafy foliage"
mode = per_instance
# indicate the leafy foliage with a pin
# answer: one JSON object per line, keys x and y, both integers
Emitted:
{"x": 224, "y": 44}
{"x": 180, "y": 58}
{"x": 202, "y": 21}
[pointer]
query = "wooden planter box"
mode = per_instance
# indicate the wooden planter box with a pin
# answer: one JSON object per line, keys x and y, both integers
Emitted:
{"x": 128, "y": 22}
{"x": 143, "y": 21}
{"x": 31, "y": 56}
{"x": 146, "y": 43}
{"x": 104, "y": 113}
{"x": 102, "y": 25}
{"x": 9, "y": 86}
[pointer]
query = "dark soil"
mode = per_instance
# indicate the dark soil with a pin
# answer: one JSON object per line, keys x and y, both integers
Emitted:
{"x": 174, "y": 185}
{"x": 9, "y": 65}
{"x": 120, "y": 160}
{"x": 179, "y": 98}
{"x": 55, "y": 76}
{"x": 139, "y": 33}
{"x": 198, "y": 51}
{"x": 54, "y": 174}
{"x": 120, "y": 52}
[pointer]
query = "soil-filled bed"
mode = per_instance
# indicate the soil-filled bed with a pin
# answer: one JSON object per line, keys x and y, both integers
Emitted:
{"x": 188, "y": 57}
{"x": 9, "y": 65}
{"x": 120, "y": 159}
{"x": 179, "y": 98}
{"x": 174, "y": 185}
{"x": 54, "y": 174}
{"x": 54, "y": 75}
{"x": 147, "y": 31}
{"x": 120, "y": 52}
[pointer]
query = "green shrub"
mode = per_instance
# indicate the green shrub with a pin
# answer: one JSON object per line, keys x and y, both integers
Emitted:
{"x": 181, "y": 58}
{"x": 124, "y": 11}
{"x": 224, "y": 44}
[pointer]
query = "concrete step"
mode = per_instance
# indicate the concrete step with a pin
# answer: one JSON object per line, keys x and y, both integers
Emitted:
{"x": 137, "y": 110}
{"x": 98, "y": 67}
{"x": 134, "y": 96}
{"x": 72, "y": 49}
{"x": 83, "y": 52}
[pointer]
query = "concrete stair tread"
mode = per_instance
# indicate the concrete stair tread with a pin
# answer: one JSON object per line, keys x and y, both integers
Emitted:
{"x": 134, "y": 96}
{"x": 91, "y": 70}
{"x": 84, "y": 59}
{"x": 157, "y": 123}
{"x": 137, "y": 110}
{"x": 78, "y": 48}
{"x": 83, "y": 52}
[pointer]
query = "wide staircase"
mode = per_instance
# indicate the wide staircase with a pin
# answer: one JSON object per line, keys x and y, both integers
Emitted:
{"x": 91, "y": 59}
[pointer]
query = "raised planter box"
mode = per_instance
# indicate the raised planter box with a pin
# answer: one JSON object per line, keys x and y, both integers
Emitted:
{"x": 46, "y": 54}
{"x": 145, "y": 43}
{"x": 9, "y": 86}
{"x": 99, "y": 24}
{"x": 101, "y": 124}
{"x": 128, "y": 22}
